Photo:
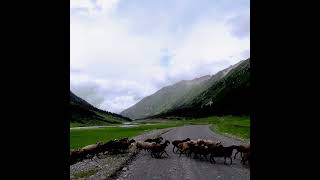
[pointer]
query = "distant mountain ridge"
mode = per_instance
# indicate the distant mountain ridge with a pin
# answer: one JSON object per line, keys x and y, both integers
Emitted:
{"x": 185, "y": 97}
{"x": 85, "y": 114}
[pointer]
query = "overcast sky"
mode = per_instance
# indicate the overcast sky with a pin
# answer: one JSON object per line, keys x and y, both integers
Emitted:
{"x": 124, "y": 50}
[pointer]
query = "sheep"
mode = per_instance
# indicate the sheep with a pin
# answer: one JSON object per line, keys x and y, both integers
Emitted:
{"x": 144, "y": 145}
{"x": 220, "y": 151}
{"x": 156, "y": 140}
{"x": 158, "y": 149}
{"x": 176, "y": 142}
{"x": 242, "y": 149}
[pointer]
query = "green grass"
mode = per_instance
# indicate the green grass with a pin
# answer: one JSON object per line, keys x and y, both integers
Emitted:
{"x": 230, "y": 125}
{"x": 83, "y": 137}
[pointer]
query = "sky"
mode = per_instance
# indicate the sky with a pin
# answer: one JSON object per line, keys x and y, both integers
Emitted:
{"x": 124, "y": 50}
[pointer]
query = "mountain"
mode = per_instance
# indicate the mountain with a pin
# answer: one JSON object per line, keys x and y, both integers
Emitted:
{"x": 85, "y": 114}
{"x": 226, "y": 92}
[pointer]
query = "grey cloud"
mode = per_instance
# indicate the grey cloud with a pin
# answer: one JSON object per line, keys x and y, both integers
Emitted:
{"x": 89, "y": 92}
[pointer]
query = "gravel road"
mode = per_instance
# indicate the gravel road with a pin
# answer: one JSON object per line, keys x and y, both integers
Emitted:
{"x": 178, "y": 168}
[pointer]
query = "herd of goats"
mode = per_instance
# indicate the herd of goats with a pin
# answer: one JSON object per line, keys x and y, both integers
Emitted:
{"x": 200, "y": 148}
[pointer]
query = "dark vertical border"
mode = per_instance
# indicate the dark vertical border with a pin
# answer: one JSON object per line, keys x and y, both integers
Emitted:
{"x": 36, "y": 81}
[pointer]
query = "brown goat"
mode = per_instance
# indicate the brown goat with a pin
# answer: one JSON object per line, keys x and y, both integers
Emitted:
{"x": 246, "y": 157}
{"x": 184, "y": 147}
{"x": 76, "y": 155}
{"x": 91, "y": 150}
{"x": 158, "y": 149}
{"x": 175, "y": 143}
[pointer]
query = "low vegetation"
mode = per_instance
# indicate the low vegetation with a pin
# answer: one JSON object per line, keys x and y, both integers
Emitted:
{"x": 84, "y": 174}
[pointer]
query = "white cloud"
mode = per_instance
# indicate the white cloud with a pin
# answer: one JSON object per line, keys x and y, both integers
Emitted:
{"x": 113, "y": 66}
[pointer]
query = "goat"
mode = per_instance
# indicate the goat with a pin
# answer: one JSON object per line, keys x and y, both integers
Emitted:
{"x": 242, "y": 149}
{"x": 184, "y": 148}
{"x": 221, "y": 151}
{"x": 156, "y": 140}
{"x": 208, "y": 142}
{"x": 246, "y": 157}
{"x": 76, "y": 155}
{"x": 91, "y": 150}
{"x": 144, "y": 145}
{"x": 195, "y": 149}
{"x": 120, "y": 146}
{"x": 175, "y": 143}
{"x": 158, "y": 149}
{"x": 106, "y": 147}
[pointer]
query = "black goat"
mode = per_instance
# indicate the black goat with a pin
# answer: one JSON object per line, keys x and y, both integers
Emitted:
{"x": 115, "y": 146}
{"x": 106, "y": 147}
{"x": 201, "y": 150}
{"x": 221, "y": 151}
{"x": 120, "y": 146}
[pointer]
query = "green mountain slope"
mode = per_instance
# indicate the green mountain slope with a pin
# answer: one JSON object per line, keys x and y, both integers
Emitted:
{"x": 185, "y": 97}
{"x": 229, "y": 95}
{"x": 84, "y": 114}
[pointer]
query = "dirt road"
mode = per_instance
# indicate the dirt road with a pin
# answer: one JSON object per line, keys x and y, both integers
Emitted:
{"x": 178, "y": 168}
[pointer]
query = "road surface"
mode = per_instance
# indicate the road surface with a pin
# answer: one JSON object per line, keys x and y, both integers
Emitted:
{"x": 178, "y": 168}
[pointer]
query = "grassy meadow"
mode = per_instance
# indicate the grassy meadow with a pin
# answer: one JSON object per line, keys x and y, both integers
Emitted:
{"x": 229, "y": 125}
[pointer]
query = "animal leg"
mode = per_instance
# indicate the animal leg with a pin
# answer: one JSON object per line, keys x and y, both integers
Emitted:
{"x": 166, "y": 153}
{"x": 214, "y": 162}
{"x": 236, "y": 154}
{"x": 180, "y": 153}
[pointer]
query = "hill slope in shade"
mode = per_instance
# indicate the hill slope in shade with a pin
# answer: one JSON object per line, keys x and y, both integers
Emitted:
{"x": 228, "y": 96}
{"x": 85, "y": 114}
{"x": 187, "y": 98}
